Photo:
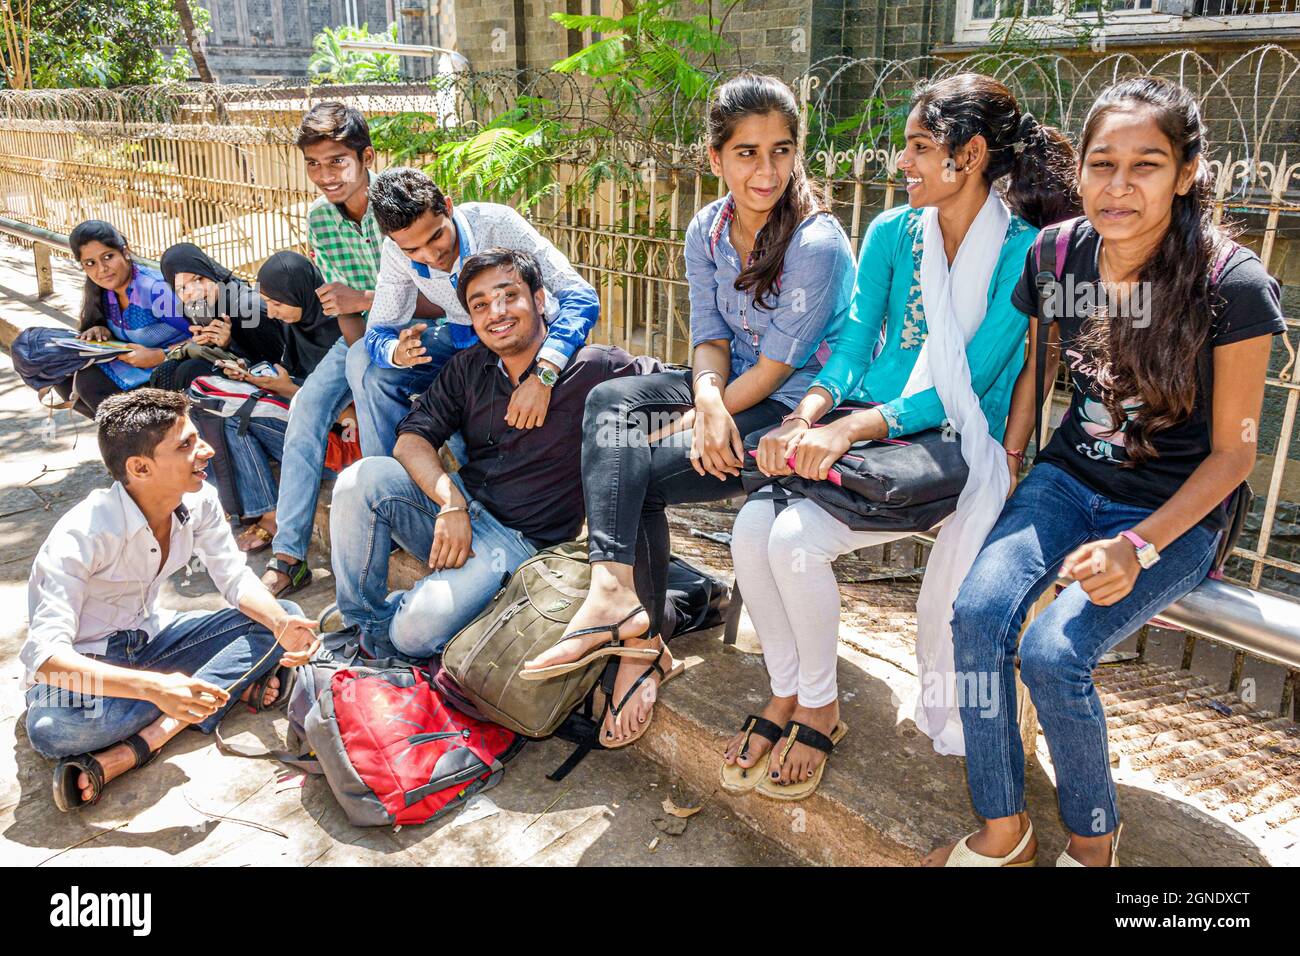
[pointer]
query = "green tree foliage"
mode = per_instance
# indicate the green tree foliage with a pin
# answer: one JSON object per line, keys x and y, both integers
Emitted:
{"x": 647, "y": 67}
{"x": 331, "y": 63}
{"x": 79, "y": 43}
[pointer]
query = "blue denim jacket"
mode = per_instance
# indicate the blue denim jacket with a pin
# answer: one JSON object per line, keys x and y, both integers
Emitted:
{"x": 815, "y": 290}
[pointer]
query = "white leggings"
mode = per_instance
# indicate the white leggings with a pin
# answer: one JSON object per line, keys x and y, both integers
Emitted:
{"x": 783, "y": 567}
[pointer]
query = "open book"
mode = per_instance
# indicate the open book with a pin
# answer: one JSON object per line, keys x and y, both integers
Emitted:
{"x": 107, "y": 350}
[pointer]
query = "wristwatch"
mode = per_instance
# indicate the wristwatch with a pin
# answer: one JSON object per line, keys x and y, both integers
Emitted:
{"x": 1147, "y": 554}
{"x": 548, "y": 376}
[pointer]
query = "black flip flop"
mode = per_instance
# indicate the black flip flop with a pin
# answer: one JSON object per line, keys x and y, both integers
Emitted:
{"x": 67, "y": 795}
{"x": 259, "y": 689}
{"x": 738, "y": 779}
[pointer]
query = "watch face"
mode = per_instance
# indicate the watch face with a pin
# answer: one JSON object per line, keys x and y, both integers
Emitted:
{"x": 548, "y": 376}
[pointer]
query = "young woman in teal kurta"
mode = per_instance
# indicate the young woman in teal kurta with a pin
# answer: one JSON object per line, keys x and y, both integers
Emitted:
{"x": 964, "y": 135}
{"x": 863, "y": 371}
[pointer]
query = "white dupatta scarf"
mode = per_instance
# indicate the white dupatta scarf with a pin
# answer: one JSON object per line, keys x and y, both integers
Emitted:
{"x": 955, "y": 301}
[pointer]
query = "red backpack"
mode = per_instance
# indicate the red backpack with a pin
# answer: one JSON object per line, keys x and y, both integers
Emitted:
{"x": 394, "y": 754}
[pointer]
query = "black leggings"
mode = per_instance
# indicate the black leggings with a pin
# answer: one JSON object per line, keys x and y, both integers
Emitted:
{"x": 627, "y": 483}
{"x": 92, "y": 385}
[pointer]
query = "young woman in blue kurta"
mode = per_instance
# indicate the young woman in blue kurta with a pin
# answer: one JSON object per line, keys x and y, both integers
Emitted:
{"x": 964, "y": 135}
{"x": 123, "y": 301}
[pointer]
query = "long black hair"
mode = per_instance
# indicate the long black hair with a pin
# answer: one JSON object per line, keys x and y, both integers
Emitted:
{"x": 1036, "y": 159}
{"x": 1159, "y": 362}
{"x": 752, "y": 94}
{"x": 92, "y": 296}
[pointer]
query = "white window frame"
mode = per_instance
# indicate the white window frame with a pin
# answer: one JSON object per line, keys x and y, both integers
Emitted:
{"x": 1120, "y": 23}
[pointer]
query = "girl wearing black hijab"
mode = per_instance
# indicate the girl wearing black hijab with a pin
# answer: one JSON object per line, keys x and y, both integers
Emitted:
{"x": 226, "y": 312}
{"x": 287, "y": 283}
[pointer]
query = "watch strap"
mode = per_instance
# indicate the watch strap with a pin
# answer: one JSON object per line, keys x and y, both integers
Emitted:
{"x": 1134, "y": 539}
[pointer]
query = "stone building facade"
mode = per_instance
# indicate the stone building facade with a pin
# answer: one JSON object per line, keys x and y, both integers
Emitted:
{"x": 257, "y": 41}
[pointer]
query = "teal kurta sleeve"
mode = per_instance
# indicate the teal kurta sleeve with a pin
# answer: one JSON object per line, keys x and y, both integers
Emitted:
{"x": 999, "y": 341}
{"x": 852, "y": 349}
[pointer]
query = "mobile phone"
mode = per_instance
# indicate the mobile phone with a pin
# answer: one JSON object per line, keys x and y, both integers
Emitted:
{"x": 263, "y": 370}
{"x": 199, "y": 312}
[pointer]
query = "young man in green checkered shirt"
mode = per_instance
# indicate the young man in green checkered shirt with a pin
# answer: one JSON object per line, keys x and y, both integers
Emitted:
{"x": 335, "y": 144}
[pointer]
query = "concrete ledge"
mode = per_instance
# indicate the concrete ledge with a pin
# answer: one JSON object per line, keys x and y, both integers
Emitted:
{"x": 887, "y": 798}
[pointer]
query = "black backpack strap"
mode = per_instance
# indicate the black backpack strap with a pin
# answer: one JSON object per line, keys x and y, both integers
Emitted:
{"x": 245, "y": 413}
{"x": 1045, "y": 277}
{"x": 1048, "y": 249}
{"x": 579, "y": 728}
{"x": 1236, "y": 505}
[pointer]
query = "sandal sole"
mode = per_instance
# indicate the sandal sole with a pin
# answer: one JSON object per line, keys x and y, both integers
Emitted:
{"x": 675, "y": 671}
{"x": 555, "y": 670}
{"x": 805, "y": 789}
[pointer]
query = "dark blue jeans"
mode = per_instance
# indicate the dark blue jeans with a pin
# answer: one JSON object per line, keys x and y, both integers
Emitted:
{"x": 1050, "y": 515}
{"x": 215, "y": 646}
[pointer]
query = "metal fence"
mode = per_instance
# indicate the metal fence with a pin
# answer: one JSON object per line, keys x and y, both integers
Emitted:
{"x": 216, "y": 166}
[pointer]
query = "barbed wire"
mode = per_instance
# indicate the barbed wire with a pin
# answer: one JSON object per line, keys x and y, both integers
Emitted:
{"x": 854, "y": 104}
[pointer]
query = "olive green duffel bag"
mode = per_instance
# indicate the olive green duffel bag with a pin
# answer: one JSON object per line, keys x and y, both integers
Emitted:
{"x": 527, "y": 617}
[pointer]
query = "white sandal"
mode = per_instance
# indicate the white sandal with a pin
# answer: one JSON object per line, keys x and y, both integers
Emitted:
{"x": 963, "y": 855}
{"x": 1066, "y": 860}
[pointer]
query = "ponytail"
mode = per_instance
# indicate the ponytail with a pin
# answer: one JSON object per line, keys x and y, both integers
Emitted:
{"x": 1036, "y": 160}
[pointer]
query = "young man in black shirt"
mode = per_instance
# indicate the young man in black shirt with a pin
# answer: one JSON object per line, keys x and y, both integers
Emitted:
{"x": 519, "y": 489}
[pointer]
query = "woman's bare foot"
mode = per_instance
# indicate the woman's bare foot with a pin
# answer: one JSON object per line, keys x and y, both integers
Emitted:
{"x": 637, "y": 710}
{"x": 779, "y": 711}
{"x": 1091, "y": 851}
{"x": 996, "y": 838}
{"x": 607, "y": 602}
{"x": 802, "y": 760}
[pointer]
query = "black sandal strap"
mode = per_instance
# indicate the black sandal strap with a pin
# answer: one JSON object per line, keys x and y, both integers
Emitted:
{"x": 143, "y": 752}
{"x": 655, "y": 667}
{"x": 612, "y": 628}
{"x": 768, "y": 730}
{"x": 259, "y": 689}
{"x": 807, "y": 736}
{"x": 290, "y": 569}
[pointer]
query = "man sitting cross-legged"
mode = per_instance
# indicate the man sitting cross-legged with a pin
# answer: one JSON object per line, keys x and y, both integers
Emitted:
{"x": 112, "y": 676}
{"x": 519, "y": 489}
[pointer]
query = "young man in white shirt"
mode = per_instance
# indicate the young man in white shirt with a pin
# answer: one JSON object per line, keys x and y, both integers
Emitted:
{"x": 111, "y": 675}
{"x": 427, "y": 241}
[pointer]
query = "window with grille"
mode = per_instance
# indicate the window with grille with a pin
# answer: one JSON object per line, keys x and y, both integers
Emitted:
{"x": 996, "y": 9}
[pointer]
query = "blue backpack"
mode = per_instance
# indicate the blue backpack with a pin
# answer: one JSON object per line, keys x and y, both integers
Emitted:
{"x": 40, "y": 363}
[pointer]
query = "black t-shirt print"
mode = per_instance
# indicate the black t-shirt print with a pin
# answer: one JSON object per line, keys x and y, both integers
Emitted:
{"x": 1088, "y": 445}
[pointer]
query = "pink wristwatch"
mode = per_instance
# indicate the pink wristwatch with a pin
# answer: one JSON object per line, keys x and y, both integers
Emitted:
{"x": 1147, "y": 554}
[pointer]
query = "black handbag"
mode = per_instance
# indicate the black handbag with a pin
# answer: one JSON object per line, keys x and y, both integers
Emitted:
{"x": 891, "y": 485}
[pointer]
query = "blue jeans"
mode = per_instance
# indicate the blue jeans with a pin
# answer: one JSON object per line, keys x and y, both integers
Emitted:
{"x": 1050, "y": 515}
{"x": 216, "y": 646}
{"x": 376, "y": 503}
{"x": 315, "y": 408}
{"x": 250, "y": 459}
{"x": 383, "y": 395}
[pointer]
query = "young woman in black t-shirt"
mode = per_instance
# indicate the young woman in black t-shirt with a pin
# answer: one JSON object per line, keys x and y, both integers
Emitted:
{"x": 1124, "y": 501}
